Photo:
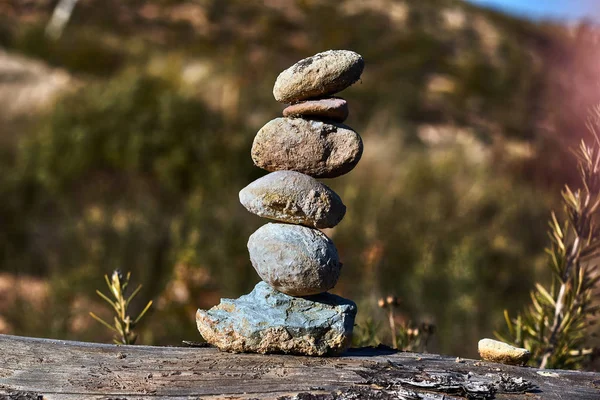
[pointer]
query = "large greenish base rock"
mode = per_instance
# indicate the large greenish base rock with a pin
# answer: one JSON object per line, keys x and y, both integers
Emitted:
{"x": 267, "y": 321}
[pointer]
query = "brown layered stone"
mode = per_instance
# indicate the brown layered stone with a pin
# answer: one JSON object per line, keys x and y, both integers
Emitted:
{"x": 315, "y": 148}
{"x": 332, "y": 108}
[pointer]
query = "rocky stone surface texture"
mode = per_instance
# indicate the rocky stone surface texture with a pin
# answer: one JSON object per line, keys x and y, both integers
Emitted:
{"x": 332, "y": 108}
{"x": 320, "y": 75}
{"x": 267, "y": 321}
{"x": 316, "y": 148}
{"x": 500, "y": 352}
{"x": 294, "y": 259}
{"x": 295, "y": 198}
{"x": 291, "y": 311}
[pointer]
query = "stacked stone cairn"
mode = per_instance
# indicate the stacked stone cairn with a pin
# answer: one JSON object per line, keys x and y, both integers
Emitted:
{"x": 291, "y": 311}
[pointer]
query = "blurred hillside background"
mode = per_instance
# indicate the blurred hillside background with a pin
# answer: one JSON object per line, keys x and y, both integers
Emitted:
{"x": 124, "y": 143}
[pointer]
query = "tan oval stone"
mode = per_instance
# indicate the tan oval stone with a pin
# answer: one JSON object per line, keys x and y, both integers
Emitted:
{"x": 295, "y": 198}
{"x": 320, "y": 75}
{"x": 500, "y": 352}
{"x": 315, "y": 148}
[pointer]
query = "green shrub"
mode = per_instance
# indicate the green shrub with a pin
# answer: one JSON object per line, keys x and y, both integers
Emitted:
{"x": 83, "y": 51}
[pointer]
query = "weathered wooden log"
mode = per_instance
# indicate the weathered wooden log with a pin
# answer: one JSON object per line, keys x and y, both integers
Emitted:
{"x": 55, "y": 369}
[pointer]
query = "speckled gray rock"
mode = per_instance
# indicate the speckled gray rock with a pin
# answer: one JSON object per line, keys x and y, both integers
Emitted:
{"x": 294, "y": 259}
{"x": 320, "y": 75}
{"x": 293, "y": 197}
{"x": 333, "y": 108}
{"x": 500, "y": 352}
{"x": 315, "y": 148}
{"x": 267, "y": 321}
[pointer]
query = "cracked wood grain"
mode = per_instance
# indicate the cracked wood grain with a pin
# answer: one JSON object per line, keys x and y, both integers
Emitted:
{"x": 55, "y": 369}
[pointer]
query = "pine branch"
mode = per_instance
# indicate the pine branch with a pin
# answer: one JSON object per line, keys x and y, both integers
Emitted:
{"x": 553, "y": 328}
{"x": 123, "y": 323}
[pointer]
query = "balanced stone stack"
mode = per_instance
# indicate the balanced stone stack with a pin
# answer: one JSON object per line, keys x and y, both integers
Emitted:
{"x": 291, "y": 311}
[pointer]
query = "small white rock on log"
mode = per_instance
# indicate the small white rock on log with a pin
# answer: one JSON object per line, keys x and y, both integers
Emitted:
{"x": 496, "y": 351}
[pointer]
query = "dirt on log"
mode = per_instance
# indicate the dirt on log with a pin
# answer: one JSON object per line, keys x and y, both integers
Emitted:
{"x": 55, "y": 369}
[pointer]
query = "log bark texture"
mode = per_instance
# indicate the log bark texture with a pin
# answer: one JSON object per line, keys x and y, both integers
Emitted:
{"x": 55, "y": 369}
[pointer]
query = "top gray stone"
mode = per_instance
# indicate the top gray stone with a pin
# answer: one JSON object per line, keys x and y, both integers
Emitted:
{"x": 320, "y": 75}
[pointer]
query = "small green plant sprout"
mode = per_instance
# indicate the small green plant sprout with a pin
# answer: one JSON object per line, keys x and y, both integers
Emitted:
{"x": 366, "y": 334}
{"x": 554, "y": 327}
{"x": 404, "y": 335}
{"x": 123, "y": 324}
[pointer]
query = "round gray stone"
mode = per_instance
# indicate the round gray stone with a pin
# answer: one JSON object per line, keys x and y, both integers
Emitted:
{"x": 293, "y": 197}
{"x": 316, "y": 148}
{"x": 267, "y": 321}
{"x": 320, "y": 75}
{"x": 294, "y": 259}
{"x": 333, "y": 108}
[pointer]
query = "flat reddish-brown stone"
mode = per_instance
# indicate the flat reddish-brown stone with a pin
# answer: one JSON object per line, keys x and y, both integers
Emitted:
{"x": 333, "y": 108}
